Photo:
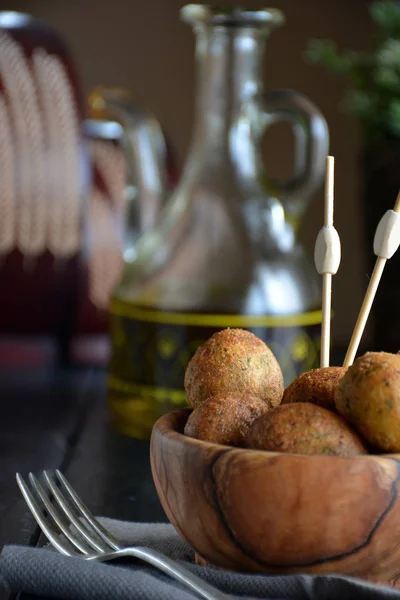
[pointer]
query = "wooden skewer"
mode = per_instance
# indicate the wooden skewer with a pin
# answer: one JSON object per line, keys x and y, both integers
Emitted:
{"x": 386, "y": 242}
{"x": 327, "y": 277}
{"x": 327, "y": 260}
{"x": 326, "y": 319}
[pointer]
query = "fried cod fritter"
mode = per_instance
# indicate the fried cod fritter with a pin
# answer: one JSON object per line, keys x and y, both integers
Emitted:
{"x": 304, "y": 428}
{"x": 234, "y": 361}
{"x": 369, "y": 397}
{"x": 225, "y": 418}
{"x": 317, "y": 386}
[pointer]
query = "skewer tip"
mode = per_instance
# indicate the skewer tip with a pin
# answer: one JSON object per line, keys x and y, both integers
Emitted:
{"x": 329, "y": 185}
{"x": 397, "y": 205}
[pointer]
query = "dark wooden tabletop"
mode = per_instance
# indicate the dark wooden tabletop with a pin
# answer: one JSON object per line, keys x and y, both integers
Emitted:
{"x": 60, "y": 419}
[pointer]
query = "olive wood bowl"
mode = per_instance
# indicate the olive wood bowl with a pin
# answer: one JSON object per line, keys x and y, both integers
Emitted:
{"x": 253, "y": 511}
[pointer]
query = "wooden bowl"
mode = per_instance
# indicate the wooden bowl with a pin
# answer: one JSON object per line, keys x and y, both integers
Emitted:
{"x": 254, "y": 511}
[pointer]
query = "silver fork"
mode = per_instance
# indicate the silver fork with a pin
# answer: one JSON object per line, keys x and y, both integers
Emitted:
{"x": 94, "y": 542}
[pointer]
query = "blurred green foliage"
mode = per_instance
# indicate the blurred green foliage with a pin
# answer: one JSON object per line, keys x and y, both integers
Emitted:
{"x": 374, "y": 97}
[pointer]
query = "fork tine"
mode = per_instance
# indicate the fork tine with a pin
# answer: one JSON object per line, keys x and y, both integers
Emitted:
{"x": 77, "y": 523}
{"x": 47, "y": 529}
{"x": 56, "y": 516}
{"x": 100, "y": 530}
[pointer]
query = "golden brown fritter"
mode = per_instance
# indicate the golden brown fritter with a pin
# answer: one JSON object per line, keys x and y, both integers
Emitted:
{"x": 225, "y": 418}
{"x": 304, "y": 428}
{"x": 234, "y": 361}
{"x": 316, "y": 386}
{"x": 369, "y": 397}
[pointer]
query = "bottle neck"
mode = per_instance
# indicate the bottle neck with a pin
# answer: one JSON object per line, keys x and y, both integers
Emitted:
{"x": 229, "y": 72}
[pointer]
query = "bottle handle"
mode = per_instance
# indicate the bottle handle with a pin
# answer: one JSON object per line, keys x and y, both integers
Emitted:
{"x": 311, "y": 144}
{"x": 144, "y": 146}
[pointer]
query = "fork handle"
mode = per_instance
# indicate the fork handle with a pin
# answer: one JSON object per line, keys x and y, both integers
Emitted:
{"x": 168, "y": 566}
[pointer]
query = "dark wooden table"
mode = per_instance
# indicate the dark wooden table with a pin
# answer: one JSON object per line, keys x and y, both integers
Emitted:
{"x": 60, "y": 419}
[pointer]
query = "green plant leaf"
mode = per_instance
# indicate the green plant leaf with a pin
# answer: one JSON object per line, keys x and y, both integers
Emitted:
{"x": 360, "y": 104}
{"x": 386, "y": 14}
{"x": 324, "y": 52}
{"x": 374, "y": 77}
{"x": 389, "y": 54}
{"x": 388, "y": 80}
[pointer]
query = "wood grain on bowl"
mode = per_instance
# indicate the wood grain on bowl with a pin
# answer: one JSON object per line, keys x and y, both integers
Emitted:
{"x": 256, "y": 511}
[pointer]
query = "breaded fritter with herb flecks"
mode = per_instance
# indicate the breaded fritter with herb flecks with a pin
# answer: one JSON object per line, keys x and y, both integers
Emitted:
{"x": 304, "y": 428}
{"x": 225, "y": 418}
{"x": 369, "y": 397}
{"x": 234, "y": 361}
{"x": 317, "y": 386}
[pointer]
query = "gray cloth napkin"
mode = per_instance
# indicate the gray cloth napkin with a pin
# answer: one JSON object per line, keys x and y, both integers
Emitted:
{"x": 46, "y": 573}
